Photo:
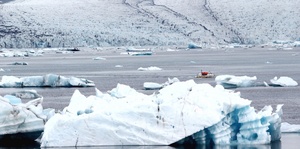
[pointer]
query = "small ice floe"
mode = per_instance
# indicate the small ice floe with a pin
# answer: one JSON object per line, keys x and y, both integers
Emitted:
{"x": 283, "y": 81}
{"x": 118, "y": 66}
{"x": 157, "y": 86}
{"x": 1, "y": 69}
{"x": 99, "y": 58}
{"x": 186, "y": 111}
{"x": 193, "y": 45}
{"x": 151, "y": 68}
{"x": 268, "y": 62}
{"x": 289, "y": 128}
{"x": 136, "y": 52}
{"x": 171, "y": 50}
{"x": 49, "y": 80}
{"x": 21, "y": 122}
{"x": 19, "y": 63}
{"x": 231, "y": 81}
{"x": 152, "y": 86}
{"x": 26, "y": 94}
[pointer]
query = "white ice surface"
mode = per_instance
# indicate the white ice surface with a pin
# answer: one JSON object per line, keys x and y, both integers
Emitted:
{"x": 49, "y": 80}
{"x": 124, "y": 116}
{"x": 284, "y": 81}
{"x": 151, "y": 68}
{"x": 231, "y": 81}
{"x": 17, "y": 117}
{"x": 286, "y": 127}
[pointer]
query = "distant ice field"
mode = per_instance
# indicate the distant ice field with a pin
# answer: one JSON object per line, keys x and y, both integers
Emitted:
{"x": 263, "y": 63}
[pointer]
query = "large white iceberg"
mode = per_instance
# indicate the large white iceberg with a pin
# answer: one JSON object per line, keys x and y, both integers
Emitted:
{"x": 49, "y": 80}
{"x": 231, "y": 81}
{"x": 180, "y": 113}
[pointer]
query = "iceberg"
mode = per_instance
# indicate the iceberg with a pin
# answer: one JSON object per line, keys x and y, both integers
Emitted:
{"x": 231, "y": 81}
{"x": 138, "y": 52}
{"x": 151, "y": 68}
{"x": 21, "y": 121}
{"x": 49, "y": 80}
{"x": 290, "y": 128}
{"x": 283, "y": 81}
{"x": 180, "y": 113}
{"x": 27, "y": 94}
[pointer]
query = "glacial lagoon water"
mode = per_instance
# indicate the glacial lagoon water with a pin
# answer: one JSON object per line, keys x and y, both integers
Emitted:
{"x": 183, "y": 64}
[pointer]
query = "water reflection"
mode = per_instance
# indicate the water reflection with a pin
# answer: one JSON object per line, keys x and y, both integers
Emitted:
{"x": 288, "y": 141}
{"x": 273, "y": 145}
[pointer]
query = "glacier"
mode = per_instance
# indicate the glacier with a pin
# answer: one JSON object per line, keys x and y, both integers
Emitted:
{"x": 180, "y": 113}
{"x": 56, "y": 23}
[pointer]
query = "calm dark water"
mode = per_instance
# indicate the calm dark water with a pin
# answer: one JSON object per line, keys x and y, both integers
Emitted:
{"x": 288, "y": 141}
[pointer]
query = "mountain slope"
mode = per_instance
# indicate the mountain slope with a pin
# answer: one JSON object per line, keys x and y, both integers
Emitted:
{"x": 56, "y": 23}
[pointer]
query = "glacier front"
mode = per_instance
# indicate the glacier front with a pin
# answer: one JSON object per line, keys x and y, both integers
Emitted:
{"x": 181, "y": 113}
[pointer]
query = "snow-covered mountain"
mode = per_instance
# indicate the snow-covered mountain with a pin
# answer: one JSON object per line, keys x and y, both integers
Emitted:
{"x": 58, "y": 23}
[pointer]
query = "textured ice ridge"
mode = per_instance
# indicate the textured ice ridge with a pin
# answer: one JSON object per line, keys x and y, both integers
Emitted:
{"x": 181, "y": 113}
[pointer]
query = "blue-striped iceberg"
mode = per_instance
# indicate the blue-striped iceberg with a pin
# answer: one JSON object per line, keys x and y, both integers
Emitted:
{"x": 181, "y": 113}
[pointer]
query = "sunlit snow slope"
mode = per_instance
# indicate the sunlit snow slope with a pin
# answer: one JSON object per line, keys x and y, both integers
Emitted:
{"x": 57, "y": 23}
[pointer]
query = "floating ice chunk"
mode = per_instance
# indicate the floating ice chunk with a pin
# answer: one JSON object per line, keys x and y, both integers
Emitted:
{"x": 151, "y": 68}
{"x": 119, "y": 66}
{"x": 286, "y": 127}
{"x": 99, "y": 58}
{"x": 284, "y": 81}
{"x": 9, "y": 81}
{"x": 181, "y": 112}
{"x": 49, "y": 80}
{"x": 27, "y": 94}
{"x": 171, "y": 50}
{"x": 1, "y": 69}
{"x": 136, "y": 52}
{"x": 152, "y": 86}
{"x": 194, "y": 46}
{"x": 231, "y": 81}
{"x": 21, "y": 121}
